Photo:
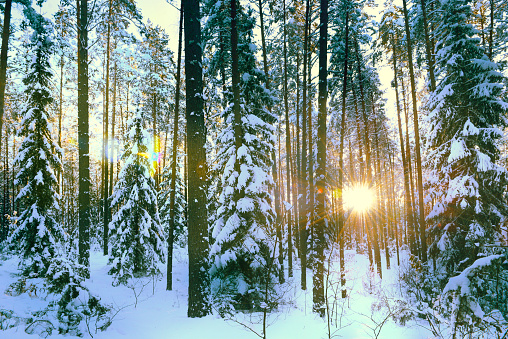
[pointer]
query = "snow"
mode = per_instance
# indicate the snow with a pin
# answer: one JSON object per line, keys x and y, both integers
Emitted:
{"x": 458, "y": 150}
{"x": 461, "y": 282}
{"x": 147, "y": 310}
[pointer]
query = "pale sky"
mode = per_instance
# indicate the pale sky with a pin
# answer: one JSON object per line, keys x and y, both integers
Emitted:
{"x": 166, "y": 15}
{"x": 159, "y": 12}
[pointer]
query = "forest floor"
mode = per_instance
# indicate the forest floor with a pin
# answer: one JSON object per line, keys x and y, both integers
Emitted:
{"x": 146, "y": 310}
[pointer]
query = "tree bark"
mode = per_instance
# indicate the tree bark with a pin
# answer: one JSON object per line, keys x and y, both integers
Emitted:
{"x": 113, "y": 123}
{"x": 172, "y": 197}
{"x": 491, "y": 30}
{"x": 198, "y": 305}
{"x": 409, "y": 211}
{"x": 423, "y": 239}
{"x": 303, "y": 179}
{"x": 288, "y": 149}
{"x": 83, "y": 138}
{"x": 412, "y": 226}
{"x": 374, "y": 230}
{"x": 428, "y": 49}
{"x": 274, "y": 159}
{"x": 341, "y": 163}
{"x": 106, "y": 139}
{"x": 3, "y": 61}
{"x": 235, "y": 73}
{"x": 60, "y": 117}
{"x": 318, "y": 288}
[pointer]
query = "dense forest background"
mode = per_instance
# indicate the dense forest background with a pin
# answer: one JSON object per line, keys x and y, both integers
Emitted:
{"x": 265, "y": 145}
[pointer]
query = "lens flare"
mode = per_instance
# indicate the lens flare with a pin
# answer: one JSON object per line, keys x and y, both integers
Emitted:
{"x": 359, "y": 198}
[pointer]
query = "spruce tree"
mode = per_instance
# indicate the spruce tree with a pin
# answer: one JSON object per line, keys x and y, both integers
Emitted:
{"x": 465, "y": 126}
{"x": 38, "y": 233}
{"x": 242, "y": 253}
{"x": 467, "y": 183}
{"x": 136, "y": 234}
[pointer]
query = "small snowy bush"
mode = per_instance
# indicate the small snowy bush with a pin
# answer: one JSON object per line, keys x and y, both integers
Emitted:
{"x": 73, "y": 309}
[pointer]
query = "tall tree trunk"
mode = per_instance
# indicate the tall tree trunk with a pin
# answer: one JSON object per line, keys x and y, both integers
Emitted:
{"x": 3, "y": 61}
{"x": 491, "y": 30}
{"x": 172, "y": 197}
{"x": 396, "y": 224}
{"x": 428, "y": 49}
{"x": 83, "y": 138}
{"x": 198, "y": 305}
{"x": 288, "y": 149}
{"x": 409, "y": 210}
{"x": 362, "y": 178}
{"x": 113, "y": 123}
{"x": 280, "y": 227}
{"x": 60, "y": 117}
{"x": 235, "y": 84}
{"x": 297, "y": 185}
{"x": 106, "y": 139}
{"x": 4, "y": 230}
{"x": 303, "y": 179}
{"x": 156, "y": 140}
{"x": 423, "y": 238}
{"x": 294, "y": 173}
{"x": 341, "y": 162}
{"x": 381, "y": 187}
{"x": 412, "y": 226}
{"x": 278, "y": 219}
{"x": 366, "y": 134}
{"x": 310, "y": 172}
{"x": 318, "y": 290}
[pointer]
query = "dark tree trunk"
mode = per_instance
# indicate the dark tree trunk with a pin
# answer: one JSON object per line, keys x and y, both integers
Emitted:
{"x": 83, "y": 137}
{"x": 341, "y": 162}
{"x": 407, "y": 200}
{"x": 428, "y": 47}
{"x": 423, "y": 239}
{"x": 172, "y": 196}
{"x": 374, "y": 230}
{"x": 235, "y": 84}
{"x": 198, "y": 305}
{"x": 106, "y": 140}
{"x": 60, "y": 117}
{"x": 4, "y": 231}
{"x": 297, "y": 186}
{"x": 310, "y": 172}
{"x": 396, "y": 224}
{"x": 278, "y": 219}
{"x": 411, "y": 229}
{"x": 113, "y": 123}
{"x": 3, "y": 61}
{"x": 288, "y": 149}
{"x": 303, "y": 179}
{"x": 318, "y": 289}
{"x": 491, "y": 30}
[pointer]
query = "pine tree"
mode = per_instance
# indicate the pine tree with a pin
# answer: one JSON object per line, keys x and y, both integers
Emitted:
{"x": 136, "y": 234}
{"x": 467, "y": 183}
{"x": 39, "y": 232}
{"x": 242, "y": 253}
{"x": 467, "y": 114}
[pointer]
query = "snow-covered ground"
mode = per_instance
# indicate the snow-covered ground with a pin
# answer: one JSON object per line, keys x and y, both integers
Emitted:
{"x": 149, "y": 311}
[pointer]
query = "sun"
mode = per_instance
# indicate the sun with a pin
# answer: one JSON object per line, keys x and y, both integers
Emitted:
{"x": 359, "y": 198}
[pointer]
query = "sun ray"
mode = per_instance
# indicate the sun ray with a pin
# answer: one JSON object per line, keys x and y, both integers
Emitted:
{"x": 359, "y": 198}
